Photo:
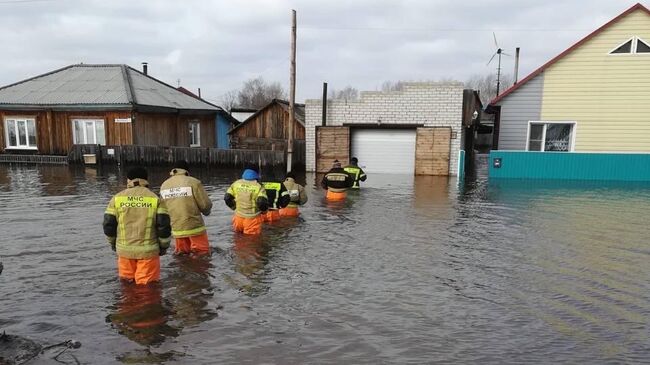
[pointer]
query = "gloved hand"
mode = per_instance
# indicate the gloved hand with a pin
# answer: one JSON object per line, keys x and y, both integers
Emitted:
{"x": 113, "y": 246}
{"x": 162, "y": 252}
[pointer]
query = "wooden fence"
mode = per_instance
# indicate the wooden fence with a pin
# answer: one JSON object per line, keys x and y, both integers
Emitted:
{"x": 37, "y": 159}
{"x": 161, "y": 155}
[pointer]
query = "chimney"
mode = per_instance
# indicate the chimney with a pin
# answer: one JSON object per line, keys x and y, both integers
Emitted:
{"x": 144, "y": 68}
{"x": 199, "y": 93}
{"x": 516, "y": 64}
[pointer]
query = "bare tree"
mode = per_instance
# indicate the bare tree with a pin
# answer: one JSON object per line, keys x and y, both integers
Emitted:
{"x": 229, "y": 100}
{"x": 486, "y": 85}
{"x": 347, "y": 93}
{"x": 392, "y": 86}
{"x": 256, "y": 93}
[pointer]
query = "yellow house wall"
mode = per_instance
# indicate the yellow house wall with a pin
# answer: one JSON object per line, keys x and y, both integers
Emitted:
{"x": 607, "y": 95}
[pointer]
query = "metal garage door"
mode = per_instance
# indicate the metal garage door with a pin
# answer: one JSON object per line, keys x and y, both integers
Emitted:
{"x": 385, "y": 150}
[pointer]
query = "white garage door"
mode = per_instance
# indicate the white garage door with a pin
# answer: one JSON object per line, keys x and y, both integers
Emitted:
{"x": 385, "y": 150}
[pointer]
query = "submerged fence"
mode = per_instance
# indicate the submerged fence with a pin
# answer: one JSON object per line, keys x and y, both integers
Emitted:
{"x": 162, "y": 155}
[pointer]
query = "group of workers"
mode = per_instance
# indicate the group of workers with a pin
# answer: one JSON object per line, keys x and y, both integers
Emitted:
{"x": 139, "y": 224}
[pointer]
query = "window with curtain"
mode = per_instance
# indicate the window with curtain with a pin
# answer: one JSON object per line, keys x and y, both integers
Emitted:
{"x": 20, "y": 133}
{"x": 88, "y": 131}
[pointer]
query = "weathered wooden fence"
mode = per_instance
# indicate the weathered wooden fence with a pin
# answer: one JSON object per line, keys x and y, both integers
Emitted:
{"x": 37, "y": 159}
{"x": 161, "y": 155}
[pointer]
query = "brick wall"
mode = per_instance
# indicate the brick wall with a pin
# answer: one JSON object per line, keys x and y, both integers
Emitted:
{"x": 424, "y": 103}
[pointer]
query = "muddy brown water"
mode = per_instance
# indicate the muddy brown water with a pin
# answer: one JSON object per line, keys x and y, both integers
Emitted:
{"x": 408, "y": 270}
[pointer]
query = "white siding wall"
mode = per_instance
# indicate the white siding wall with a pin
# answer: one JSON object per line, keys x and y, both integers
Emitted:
{"x": 517, "y": 109}
{"x": 427, "y": 103}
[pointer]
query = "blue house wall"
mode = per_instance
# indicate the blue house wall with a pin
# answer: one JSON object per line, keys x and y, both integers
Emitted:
{"x": 223, "y": 126}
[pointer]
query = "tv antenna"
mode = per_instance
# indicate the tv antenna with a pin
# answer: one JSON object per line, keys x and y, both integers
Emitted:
{"x": 498, "y": 52}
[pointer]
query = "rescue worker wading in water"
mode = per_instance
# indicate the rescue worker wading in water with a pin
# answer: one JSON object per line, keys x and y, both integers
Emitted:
{"x": 278, "y": 198}
{"x": 297, "y": 196}
{"x": 336, "y": 181}
{"x": 137, "y": 226}
{"x": 248, "y": 199}
{"x": 356, "y": 172}
{"x": 186, "y": 199}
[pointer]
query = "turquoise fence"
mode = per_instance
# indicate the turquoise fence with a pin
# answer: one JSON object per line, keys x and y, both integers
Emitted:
{"x": 569, "y": 165}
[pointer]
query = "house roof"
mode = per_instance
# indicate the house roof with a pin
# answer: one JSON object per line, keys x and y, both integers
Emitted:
{"x": 89, "y": 86}
{"x": 548, "y": 64}
{"x": 299, "y": 112}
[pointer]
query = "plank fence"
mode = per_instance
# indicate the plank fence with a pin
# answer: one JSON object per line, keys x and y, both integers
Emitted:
{"x": 163, "y": 155}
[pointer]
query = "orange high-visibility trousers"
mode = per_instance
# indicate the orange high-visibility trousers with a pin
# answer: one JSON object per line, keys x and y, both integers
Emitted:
{"x": 335, "y": 196}
{"x": 247, "y": 225}
{"x": 194, "y": 244}
{"x": 289, "y": 212}
{"x": 142, "y": 271}
{"x": 271, "y": 215}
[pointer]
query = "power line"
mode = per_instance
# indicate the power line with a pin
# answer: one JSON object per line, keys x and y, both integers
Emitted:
{"x": 24, "y": 1}
{"x": 387, "y": 29}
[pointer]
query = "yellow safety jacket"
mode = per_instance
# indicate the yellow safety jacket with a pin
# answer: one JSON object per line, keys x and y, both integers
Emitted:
{"x": 357, "y": 174}
{"x": 246, "y": 193}
{"x": 185, "y": 199}
{"x": 136, "y": 222}
{"x": 296, "y": 193}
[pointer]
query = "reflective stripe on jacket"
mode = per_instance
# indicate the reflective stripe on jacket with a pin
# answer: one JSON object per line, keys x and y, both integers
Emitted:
{"x": 275, "y": 192}
{"x": 246, "y": 193}
{"x": 357, "y": 174}
{"x": 337, "y": 180}
{"x": 185, "y": 199}
{"x": 137, "y": 210}
{"x": 296, "y": 193}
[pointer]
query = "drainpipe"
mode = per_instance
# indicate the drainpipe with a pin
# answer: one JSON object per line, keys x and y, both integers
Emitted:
{"x": 324, "y": 120}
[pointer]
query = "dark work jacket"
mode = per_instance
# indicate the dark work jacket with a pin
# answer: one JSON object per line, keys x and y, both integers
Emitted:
{"x": 277, "y": 194}
{"x": 337, "y": 180}
{"x": 357, "y": 173}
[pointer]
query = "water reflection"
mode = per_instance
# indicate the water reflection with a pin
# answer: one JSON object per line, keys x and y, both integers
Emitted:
{"x": 139, "y": 314}
{"x": 190, "y": 289}
{"x": 249, "y": 258}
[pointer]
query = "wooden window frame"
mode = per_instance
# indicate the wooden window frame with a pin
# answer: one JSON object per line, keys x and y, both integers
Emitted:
{"x": 16, "y": 119}
{"x": 572, "y": 140}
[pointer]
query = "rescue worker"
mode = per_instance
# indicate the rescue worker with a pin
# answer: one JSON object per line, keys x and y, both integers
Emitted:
{"x": 337, "y": 181}
{"x": 297, "y": 196}
{"x": 278, "y": 198}
{"x": 137, "y": 226}
{"x": 356, "y": 172}
{"x": 248, "y": 199}
{"x": 186, "y": 201}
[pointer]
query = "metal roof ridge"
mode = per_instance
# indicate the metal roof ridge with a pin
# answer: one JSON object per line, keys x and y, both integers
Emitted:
{"x": 128, "y": 85}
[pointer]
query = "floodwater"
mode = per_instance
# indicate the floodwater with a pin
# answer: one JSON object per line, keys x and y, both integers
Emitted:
{"x": 408, "y": 270}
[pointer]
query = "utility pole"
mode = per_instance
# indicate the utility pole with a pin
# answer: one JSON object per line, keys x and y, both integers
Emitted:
{"x": 292, "y": 92}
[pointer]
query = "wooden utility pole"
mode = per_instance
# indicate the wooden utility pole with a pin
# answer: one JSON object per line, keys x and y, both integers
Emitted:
{"x": 292, "y": 92}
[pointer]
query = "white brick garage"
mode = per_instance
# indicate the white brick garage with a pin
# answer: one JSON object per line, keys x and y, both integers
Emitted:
{"x": 423, "y": 105}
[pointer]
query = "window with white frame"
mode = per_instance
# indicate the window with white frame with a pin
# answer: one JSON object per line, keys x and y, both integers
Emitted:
{"x": 633, "y": 45}
{"x": 88, "y": 131}
{"x": 195, "y": 134}
{"x": 20, "y": 133}
{"x": 551, "y": 136}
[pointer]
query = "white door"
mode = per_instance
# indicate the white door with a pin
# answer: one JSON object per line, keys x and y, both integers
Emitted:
{"x": 389, "y": 151}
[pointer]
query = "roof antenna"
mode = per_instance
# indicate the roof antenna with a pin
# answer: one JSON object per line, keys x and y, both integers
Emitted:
{"x": 499, "y": 52}
{"x": 178, "y": 82}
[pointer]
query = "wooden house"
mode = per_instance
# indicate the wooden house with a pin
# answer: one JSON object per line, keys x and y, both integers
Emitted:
{"x": 267, "y": 129}
{"x": 583, "y": 114}
{"x": 100, "y": 104}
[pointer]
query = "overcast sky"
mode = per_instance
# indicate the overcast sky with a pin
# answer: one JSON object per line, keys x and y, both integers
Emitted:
{"x": 216, "y": 45}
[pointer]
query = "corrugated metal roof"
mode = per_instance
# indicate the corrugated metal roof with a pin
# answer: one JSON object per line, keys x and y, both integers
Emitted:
{"x": 100, "y": 85}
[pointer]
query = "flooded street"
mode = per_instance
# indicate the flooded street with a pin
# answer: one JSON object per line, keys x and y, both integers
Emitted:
{"x": 408, "y": 270}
